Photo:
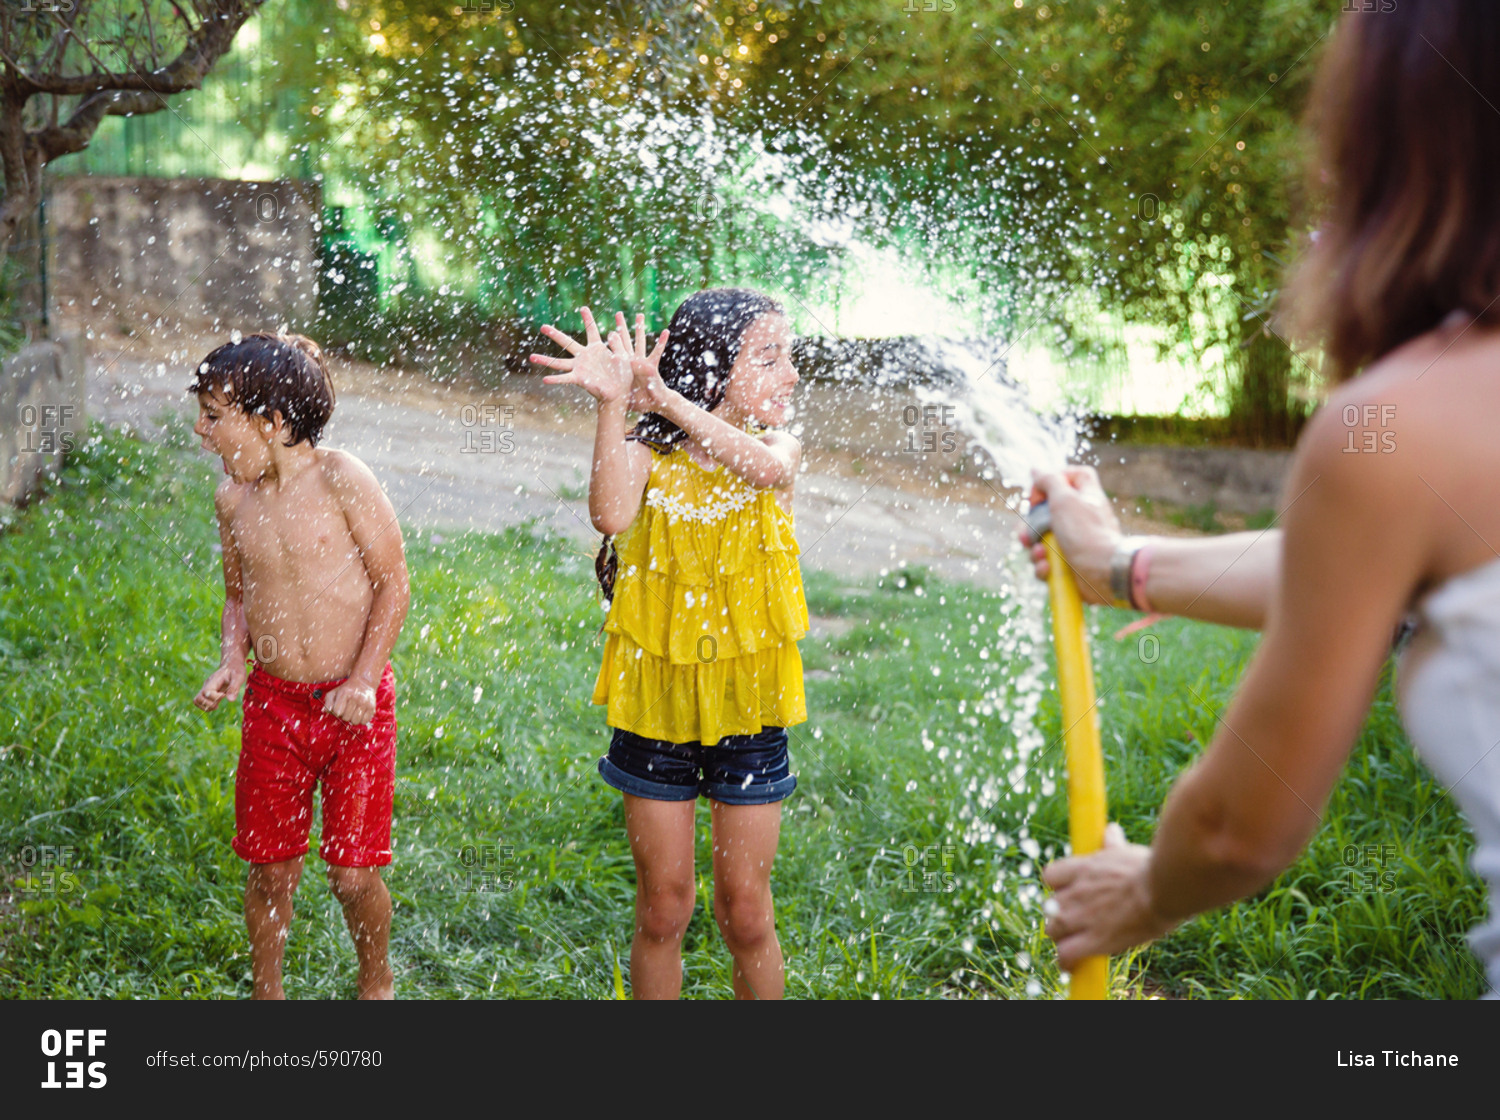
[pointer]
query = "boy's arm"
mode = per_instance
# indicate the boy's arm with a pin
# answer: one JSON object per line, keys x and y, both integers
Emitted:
{"x": 234, "y": 632}
{"x": 372, "y": 523}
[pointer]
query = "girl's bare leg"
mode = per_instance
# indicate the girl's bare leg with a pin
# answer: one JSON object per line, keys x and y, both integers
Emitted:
{"x": 661, "y": 840}
{"x": 268, "y": 915}
{"x": 745, "y": 838}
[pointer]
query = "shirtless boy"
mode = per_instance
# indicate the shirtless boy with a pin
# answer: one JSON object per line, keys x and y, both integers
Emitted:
{"x": 315, "y": 585}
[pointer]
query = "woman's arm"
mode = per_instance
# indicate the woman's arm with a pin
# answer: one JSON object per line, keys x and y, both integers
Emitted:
{"x": 1243, "y": 812}
{"x": 1226, "y": 579}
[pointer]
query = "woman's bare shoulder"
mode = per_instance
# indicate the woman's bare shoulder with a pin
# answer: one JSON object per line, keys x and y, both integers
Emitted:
{"x": 1459, "y": 353}
{"x": 1406, "y": 444}
{"x": 1425, "y": 396}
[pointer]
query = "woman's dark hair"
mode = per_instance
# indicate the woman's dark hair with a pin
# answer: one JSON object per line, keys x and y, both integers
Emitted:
{"x": 262, "y": 374}
{"x": 703, "y": 342}
{"x": 1405, "y": 166}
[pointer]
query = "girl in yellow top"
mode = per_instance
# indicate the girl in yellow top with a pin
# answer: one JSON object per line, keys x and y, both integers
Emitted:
{"x": 701, "y": 674}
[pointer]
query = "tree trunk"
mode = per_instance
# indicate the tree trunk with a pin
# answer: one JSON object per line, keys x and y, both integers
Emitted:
{"x": 1262, "y": 411}
{"x": 140, "y": 86}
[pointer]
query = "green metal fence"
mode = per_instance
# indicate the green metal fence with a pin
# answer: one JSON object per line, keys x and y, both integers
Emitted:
{"x": 245, "y": 123}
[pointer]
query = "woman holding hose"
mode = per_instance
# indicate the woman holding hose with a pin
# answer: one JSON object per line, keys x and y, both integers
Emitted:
{"x": 1401, "y": 291}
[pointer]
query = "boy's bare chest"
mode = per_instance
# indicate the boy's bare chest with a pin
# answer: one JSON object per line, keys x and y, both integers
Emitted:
{"x": 292, "y": 535}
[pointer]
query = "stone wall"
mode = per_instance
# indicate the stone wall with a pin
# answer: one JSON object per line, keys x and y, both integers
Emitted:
{"x": 244, "y": 254}
{"x": 1236, "y": 480}
{"x": 41, "y": 413}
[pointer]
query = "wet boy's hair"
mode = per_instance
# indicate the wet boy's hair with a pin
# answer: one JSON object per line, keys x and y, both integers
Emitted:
{"x": 264, "y": 373}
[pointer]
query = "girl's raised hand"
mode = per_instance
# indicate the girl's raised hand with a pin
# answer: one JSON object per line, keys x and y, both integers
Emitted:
{"x": 647, "y": 390}
{"x": 595, "y": 366}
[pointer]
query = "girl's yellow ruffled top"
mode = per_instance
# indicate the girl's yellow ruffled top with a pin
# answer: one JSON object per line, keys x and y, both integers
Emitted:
{"x": 708, "y": 606}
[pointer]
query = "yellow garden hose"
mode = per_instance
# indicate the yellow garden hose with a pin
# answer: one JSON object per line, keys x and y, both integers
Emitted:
{"x": 1080, "y": 719}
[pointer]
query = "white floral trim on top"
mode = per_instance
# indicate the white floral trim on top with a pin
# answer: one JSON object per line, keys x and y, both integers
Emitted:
{"x": 673, "y": 506}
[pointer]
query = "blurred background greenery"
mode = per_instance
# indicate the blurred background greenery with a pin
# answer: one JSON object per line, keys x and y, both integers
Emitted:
{"x": 1113, "y": 185}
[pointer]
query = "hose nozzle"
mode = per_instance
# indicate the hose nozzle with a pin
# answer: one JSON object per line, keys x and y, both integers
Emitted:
{"x": 1039, "y": 520}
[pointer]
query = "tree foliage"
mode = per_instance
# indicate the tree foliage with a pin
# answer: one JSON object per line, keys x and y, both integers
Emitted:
{"x": 1146, "y": 151}
{"x": 1047, "y": 162}
{"x": 65, "y": 65}
{"x": 538, "y": 156}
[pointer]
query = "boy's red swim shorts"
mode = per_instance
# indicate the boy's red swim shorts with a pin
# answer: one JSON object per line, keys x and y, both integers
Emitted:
{"x": 288, "y": 744}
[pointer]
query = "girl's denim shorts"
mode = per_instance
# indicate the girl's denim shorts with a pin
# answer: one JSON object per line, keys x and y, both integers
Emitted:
{"x": 737, "y": 770}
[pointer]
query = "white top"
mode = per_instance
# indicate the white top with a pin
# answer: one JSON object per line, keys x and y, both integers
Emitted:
{"x": 1448, "y": 686}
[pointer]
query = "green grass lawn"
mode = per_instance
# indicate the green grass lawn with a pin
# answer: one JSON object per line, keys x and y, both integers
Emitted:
{"x": 909, "y": 854}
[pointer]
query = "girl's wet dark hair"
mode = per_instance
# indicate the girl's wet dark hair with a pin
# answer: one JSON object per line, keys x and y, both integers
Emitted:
{"x": 703, "y": 342}
{"x": 705, "y": 334}
{"x": 263, "y": 373}
{"x": 1404, "y": 172}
